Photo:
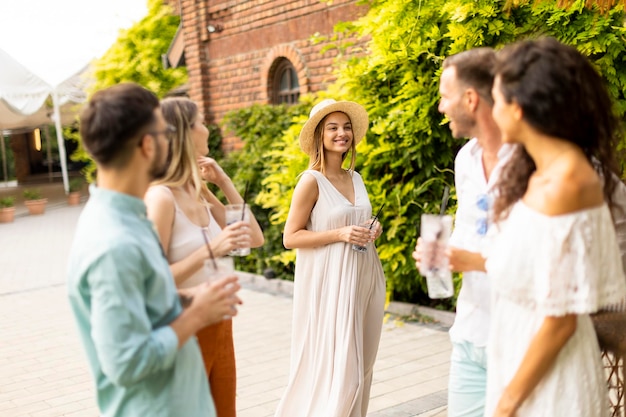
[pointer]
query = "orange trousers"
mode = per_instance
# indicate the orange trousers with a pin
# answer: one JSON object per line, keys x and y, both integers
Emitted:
{"x": 218, "y": 352}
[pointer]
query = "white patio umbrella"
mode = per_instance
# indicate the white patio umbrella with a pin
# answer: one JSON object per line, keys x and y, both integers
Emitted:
{"x": 23, "y": 97}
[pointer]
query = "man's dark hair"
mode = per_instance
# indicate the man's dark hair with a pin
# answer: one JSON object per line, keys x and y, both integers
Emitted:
{"x": 474, "y": 68}
{"x": 113, "y": 120}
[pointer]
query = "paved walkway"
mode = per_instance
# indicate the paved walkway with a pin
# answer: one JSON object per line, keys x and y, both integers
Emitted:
{"x": 43, "y": 370}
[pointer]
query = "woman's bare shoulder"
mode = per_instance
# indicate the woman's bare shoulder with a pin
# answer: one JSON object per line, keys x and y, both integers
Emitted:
{"x": 159, "y": 195}
{"x": 572, "y": 189}
{"x": 307, "y": 181}
{"x": 306, "y": 191}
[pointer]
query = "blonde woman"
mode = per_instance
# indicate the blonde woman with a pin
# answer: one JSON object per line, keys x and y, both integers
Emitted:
{"x": 185, "y": 212}
{"x": 339, "y": 292}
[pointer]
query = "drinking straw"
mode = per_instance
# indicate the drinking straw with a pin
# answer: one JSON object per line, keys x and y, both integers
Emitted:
{"x": 444, "y": 204}
{"x": 376, "y": 216}
{"x": 206, "y": 242}
{"x": 444, "y": 200}
{"x": 245, "y": 196}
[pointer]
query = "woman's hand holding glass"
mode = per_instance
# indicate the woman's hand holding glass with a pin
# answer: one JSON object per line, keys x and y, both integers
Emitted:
{"x": 359, "y": 235}
{"x": 233, "y": 236}
{"x": 377, "y": 229}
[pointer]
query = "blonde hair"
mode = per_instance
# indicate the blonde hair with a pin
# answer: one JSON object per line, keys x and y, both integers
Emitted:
{"x": 317, "y": 159}
{"x": 182, "y": 166}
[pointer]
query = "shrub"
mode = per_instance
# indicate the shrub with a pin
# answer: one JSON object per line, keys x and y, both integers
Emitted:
{"x": 142, "y": 46}
{"x": 408, "y": 154}
{"x": 76, "y": 184}
{"x": 261, "y": 128}
{"x": 6, "y": 202}
{"x": 32, "y": 194}
{"x": 407, "y": 157}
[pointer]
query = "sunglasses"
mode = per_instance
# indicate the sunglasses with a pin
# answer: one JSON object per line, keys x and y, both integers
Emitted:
{"x": 168, "y": 132}
{"x": 482, "y": 224}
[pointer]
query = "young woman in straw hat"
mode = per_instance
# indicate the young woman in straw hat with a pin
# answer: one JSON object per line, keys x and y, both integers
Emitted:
{"x": 339, "y": 292}
{"x": 186, "y": 213}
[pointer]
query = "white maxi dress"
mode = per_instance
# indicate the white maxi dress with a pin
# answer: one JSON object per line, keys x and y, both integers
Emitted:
{"x": 542, "y": 266}
{"x": 339, "y": 297}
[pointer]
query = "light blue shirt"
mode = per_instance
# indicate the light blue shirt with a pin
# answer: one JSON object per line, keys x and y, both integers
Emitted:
{"x": 123, "y": 297}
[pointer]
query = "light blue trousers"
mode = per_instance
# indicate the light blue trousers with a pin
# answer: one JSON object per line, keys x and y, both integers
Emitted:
{"x": 468, "y": 380}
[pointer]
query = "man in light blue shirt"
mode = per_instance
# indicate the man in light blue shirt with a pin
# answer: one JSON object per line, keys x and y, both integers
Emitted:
{"x": 139, "y": 340}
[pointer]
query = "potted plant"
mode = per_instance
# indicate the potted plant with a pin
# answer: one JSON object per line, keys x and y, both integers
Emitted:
{"x": 73, "y": 198}
{"x": 7, "y": 209}
{"x": 34, "y": 201}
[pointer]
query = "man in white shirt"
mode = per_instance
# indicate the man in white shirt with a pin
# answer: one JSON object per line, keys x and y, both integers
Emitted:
{"x": 465, "y": 89}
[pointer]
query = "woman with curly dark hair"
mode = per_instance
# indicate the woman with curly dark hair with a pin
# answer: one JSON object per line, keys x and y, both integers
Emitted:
{"x": 554, "y": 259}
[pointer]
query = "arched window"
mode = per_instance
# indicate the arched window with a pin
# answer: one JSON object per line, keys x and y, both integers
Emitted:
{"x": 286, "y": 88}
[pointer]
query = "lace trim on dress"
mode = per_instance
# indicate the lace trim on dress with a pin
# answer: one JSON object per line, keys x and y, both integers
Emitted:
{"x": 578, "y": 266}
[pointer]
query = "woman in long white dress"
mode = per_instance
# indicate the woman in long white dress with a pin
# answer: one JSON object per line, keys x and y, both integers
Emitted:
{"x": 555, "y": 259}
{"x": 339, "y": 292}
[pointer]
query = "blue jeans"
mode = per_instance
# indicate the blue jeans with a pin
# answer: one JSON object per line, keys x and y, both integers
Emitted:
{"x": 468, "y": 380}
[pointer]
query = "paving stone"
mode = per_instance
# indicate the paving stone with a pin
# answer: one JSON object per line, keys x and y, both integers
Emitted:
{"x": 44, "y": 372}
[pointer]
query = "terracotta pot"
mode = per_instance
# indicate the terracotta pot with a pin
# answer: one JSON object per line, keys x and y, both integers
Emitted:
{"x": 36, "y": 206}
{"x": 73, "y": 198}
{"x": 7, "y": 214}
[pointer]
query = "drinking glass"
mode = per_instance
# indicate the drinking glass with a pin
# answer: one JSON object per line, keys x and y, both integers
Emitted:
{"x": 368, "y": 223}
{"x": 214, "y": 269}
{"x": 236, "y": 213}
{"x": 218, "y": 268}
{"x": 435, "y": 232}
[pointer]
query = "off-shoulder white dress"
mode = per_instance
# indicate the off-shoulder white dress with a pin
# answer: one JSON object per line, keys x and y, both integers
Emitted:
{"x": 542, "y": 266}
{"x": 338, "y": 303}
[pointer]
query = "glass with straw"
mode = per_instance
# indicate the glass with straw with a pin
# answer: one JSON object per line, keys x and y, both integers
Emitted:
{"x": 435, "y": 232}
{"x": 218, "y": 268}
{"x": 214, "y": 268}
{"x": 239, "y": 213}
{"x": 369, "y": 223}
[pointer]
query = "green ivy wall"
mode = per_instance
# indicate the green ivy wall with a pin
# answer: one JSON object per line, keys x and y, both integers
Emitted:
{"x": 408, "y": 155}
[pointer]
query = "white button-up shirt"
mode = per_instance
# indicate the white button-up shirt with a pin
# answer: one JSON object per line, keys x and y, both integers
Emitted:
{"x": 472, "y": 221}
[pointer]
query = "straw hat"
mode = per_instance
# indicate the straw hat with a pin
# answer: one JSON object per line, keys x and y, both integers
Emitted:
{"x": 356, "y": 113}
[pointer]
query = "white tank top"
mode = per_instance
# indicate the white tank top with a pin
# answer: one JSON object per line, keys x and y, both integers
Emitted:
{"x": 186, "y": 238}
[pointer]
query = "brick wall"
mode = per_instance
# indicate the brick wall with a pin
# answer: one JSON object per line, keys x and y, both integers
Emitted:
{"x": 232, "y": 68}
